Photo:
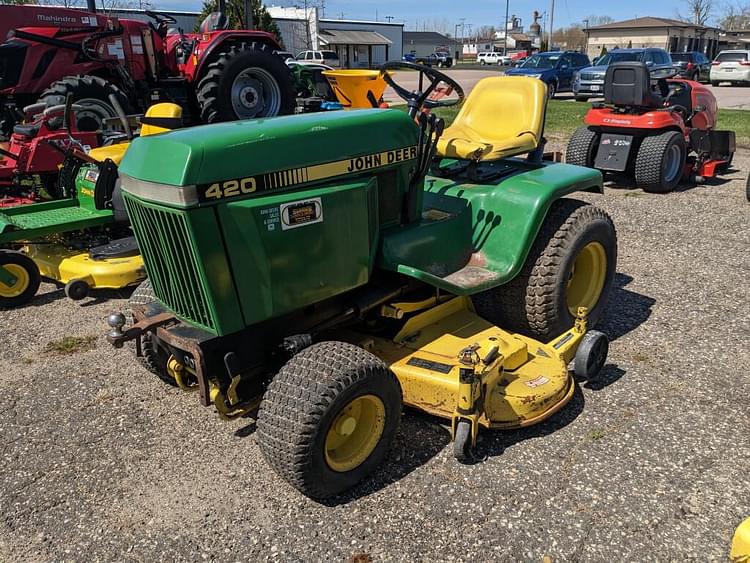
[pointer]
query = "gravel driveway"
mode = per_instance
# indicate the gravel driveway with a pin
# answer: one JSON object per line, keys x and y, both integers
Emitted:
{"x": 101, "y": 461}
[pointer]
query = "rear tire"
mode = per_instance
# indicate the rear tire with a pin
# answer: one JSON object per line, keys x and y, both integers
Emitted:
{"x": 582, "y": 147}
{"x": 747, "y": 189}
{"x": 28, "y": 279}
{"x": 246, "y": 81}
{"x": 551, "y": 90}
{"x": 660, "y": 162}
{"x": 329, "y": 417}
{"x": 92, "y": 92}
{"x": 542, "y": 299}
{"x": 715, "y": 83}
{"x": 154, "y": 358}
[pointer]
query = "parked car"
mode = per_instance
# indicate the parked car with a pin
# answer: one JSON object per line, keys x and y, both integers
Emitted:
{"x": 505, "y": 60}
{"x": 488, "y": 58}
{"x": 589, "y": 81}
{"x": 555, "y": 68}
{"x": 409, "y": 58}
{"x": 692, "y": 65}
{"x": 731, "y": 66}
{"x": 437, "y": 58}
{"x": 519, "y": 62}
{"x": 329, "y": 58}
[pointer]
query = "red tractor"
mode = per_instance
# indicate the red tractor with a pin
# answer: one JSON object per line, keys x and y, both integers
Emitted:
{"x": 657, "y": 131}
{"x": 215, "y": 75}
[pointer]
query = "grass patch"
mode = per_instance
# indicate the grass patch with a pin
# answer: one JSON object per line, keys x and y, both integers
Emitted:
{"x": 70, "y": 344}
{"x": 565, "y": 117}
{"x": 596, "y": 434}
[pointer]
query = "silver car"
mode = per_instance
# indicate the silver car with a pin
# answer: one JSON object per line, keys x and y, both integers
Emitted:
{"x": 731, "y": 66}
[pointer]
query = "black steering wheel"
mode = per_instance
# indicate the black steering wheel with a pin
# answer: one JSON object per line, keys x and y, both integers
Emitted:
{"x": 160, "y": 18}
{"x": 420, "y": 98}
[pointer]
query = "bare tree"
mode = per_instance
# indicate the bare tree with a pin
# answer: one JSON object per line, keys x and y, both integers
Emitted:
{"x": 65, "y": 3}
{"x": 571, "y": 37}
{"x": 735, "y": 16}
{"x": 486, "y": 32}
{"x": 698, "y": 11}
{"x": 598, "y": 20}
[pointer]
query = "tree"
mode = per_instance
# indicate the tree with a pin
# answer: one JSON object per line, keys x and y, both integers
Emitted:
{"x": 486, "y": 32}
{"x": 735, "y": 16}
{"x": 236, "y": 13}
{"x": 598, "y": 20}
{"x": 699, "y": 11}
{"x": 571, "y": 37}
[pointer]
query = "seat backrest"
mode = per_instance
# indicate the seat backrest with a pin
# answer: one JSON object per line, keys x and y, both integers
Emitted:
{"x": 628, "y": 84}
{"x": 505, "y": 107}
{"x": 163, "y": 110}
{"x": 215, "y": 21}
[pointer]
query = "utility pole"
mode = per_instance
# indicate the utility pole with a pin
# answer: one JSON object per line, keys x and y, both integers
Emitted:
{"x": 551, "y": 23}
{"x": 461, "y": 52}
{"x": 505, "y": 33}
{"x": 389, "y": 18}
{"x": 586, "y": 31}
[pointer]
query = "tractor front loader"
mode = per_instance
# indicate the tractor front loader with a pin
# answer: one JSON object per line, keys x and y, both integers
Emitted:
{"x": 391, "y": 261}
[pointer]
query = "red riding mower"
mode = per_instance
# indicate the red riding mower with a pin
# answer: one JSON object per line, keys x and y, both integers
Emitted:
{"x": 655, "y": 130}
{"x": 32, "y": 167}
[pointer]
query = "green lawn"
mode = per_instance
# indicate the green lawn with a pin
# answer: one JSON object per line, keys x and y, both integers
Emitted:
{"x": 564, "y": 117}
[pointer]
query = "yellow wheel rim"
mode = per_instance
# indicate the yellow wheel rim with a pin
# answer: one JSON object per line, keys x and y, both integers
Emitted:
{"x": 587, "y": 277}
{"x": 22, "y": 281}
{"x": 355, "y": 433}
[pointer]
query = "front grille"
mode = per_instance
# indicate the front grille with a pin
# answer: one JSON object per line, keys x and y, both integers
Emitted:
{"x": 164, "y": 239}
{"x": 591, "y": 76}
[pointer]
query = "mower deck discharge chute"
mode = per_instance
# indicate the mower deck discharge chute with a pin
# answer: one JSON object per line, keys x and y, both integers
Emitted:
{"x": 82, "y": 241}
{"x": 655, "y": 130}
{"x": 329, "y": 284}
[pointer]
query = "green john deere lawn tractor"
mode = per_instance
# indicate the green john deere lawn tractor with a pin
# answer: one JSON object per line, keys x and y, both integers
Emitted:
{"x": 310, "y": 268}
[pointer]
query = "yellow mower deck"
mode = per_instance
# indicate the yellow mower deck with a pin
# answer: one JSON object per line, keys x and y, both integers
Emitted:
{"x": 64, "y": 265}
{"x": 518, "y": 381}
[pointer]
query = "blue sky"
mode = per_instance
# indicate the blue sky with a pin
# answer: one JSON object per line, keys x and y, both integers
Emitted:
{"x": 476, "y": 12}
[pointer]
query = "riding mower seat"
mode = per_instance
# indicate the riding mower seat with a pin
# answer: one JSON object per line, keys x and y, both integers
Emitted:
{"x": 629, "y": 84}
{"x": 28, "y": 130}
{"x": 502, "y": 117}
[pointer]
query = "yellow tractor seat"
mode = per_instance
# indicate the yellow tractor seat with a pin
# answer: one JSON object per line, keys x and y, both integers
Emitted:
{"x": 164, "y": 109}
{"x": 502, "y": 116}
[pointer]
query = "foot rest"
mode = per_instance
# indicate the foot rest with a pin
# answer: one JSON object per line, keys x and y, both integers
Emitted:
{"x": 120, "y": 248}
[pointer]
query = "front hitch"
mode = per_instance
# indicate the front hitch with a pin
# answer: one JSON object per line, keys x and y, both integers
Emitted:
{"x": 117, "y": 337}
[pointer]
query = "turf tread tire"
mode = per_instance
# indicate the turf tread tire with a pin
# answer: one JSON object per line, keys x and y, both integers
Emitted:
{"x": 581, "y": 150}
{"x": 649, "y": 169}
{"x": 152, "y": 358}
{"x": 84, "y": 87}
{"x": 533, "y": 303}
{"x": 35, "y": 278}
{"x": 302, "y": 401}
{"x": 213, "y": 108}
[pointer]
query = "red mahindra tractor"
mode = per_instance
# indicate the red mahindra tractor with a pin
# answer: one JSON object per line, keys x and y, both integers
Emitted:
{"x": 215, "y": 75}
{"x": 655, "y": 130}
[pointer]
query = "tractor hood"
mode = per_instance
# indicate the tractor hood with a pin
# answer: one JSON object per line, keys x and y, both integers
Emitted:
{"x": 199, "y": 164}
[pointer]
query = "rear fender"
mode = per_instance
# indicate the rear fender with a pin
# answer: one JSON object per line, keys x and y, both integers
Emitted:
{"x": 210, "y": 44}
{"x": 648, "y": 122}
{"x": 504, "y": 220}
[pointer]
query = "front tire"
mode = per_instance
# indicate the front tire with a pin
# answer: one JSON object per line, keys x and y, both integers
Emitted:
{"x": 27, "y": 275}
{"x": 660, "y": 162}
{"x": 246, "y": 81}
{"x": 582, "y": 147}
{"x": 329, "y": 417}
{"x": 154, "y": 358}
{"x": 91, "y": 92}
{"x": 572, "y": 263}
